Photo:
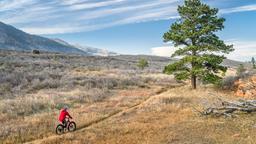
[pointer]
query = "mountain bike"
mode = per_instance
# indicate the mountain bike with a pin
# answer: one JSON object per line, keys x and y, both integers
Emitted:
{"x": 70, "y": 126}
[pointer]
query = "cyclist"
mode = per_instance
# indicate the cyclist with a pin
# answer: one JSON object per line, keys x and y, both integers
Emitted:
{"x": 63, "y": 115}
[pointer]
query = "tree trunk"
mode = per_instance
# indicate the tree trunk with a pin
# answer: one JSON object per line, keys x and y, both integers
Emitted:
{"x": 193, "y": 64}
{"x": 193, "y": 81}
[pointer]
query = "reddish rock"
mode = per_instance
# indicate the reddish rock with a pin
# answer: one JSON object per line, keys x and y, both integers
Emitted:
{"x": 246, "y": 88}
{"x": 239, "y": 93}
{"x": 253, "y": 79}
{"x": 248, "y": 94}
{"x": 254, "y": 92}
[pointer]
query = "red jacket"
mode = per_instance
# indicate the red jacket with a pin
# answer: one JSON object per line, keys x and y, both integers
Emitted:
{"x": 63, "y": 114}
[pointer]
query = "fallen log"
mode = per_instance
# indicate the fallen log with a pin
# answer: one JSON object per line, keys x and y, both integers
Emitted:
{"x": 228, "y": 108}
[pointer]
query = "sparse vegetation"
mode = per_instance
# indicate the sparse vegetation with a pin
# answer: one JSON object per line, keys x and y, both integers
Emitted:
{"x": 143, "y": 106}
{"x": 105, "y": 95}
{"x": 253, "y": 63}
{"x": 167, "y": 118}
{"x": 37, "y": 86}
{"x": 240, "y": 70}
{"x": 142, "y": 63}
{"x": 228, "y": 83}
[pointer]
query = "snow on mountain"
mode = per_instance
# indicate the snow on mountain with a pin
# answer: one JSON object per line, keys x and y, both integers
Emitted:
{"x": 12, "y": 38}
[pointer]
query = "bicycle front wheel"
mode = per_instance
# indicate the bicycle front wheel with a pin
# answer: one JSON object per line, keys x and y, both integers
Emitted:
{"x": 72, "y": 126}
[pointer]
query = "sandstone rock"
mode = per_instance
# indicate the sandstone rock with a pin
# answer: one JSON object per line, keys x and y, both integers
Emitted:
{"x": 253, "y": 79}
{"x": 240, "y": 93}
{"x": 248, "y": 94}
{"x": 246, "y": 87}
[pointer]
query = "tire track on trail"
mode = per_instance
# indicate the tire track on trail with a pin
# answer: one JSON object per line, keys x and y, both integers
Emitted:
{"x": 116, "y": 113}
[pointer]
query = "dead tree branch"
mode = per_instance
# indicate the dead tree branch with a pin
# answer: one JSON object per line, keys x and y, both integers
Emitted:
{"x": 228, "y": 108}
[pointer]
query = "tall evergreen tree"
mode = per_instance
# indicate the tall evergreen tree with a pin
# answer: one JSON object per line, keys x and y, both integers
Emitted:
{"x": 199, "y": 46}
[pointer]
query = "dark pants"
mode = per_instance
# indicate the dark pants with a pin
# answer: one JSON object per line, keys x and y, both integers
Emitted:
{"x": 64, "y": 122}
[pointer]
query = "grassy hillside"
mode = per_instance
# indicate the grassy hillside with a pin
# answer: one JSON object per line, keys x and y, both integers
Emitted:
{"x": 167, "y": 117}
{"x": 34, "y": 88}
{"x": 111, "y": 100}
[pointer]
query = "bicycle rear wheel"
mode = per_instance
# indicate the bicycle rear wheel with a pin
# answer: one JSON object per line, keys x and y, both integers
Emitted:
{"x": 59, "y": 129}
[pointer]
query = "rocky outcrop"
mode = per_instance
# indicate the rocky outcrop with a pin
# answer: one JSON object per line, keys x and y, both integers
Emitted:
{"x": 246, "y": 87}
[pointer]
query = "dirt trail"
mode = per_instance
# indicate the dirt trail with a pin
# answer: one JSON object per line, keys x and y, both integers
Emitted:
{"x": 116, "y": 113}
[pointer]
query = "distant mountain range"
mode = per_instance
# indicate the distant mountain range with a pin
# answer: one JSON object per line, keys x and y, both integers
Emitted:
{"x": 15, "y": 39}
{"x": 89, "y": 50}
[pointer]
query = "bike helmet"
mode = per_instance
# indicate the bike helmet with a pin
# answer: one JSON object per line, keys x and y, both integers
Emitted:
{"x": 65, "y": 107}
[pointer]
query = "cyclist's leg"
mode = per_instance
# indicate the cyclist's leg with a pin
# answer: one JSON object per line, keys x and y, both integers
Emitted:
{"x": 64, "y": 122}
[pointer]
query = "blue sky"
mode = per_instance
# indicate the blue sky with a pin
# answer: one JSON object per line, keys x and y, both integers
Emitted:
{"x": 126, "y": 26}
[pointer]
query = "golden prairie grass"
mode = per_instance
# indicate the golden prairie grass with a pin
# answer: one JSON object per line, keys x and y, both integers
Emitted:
{"x": 36, "y": 126}
{"x": 167, "y": 118}
{"x": 110, "y": 101}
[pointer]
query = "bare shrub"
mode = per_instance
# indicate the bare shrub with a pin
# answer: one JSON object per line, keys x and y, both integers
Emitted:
{"x": 23, "y": 106}
{"x": 5, "y": 88}
{"x": 46, "y": 84}
{"x": 89, "y": 96}
{"x": 228, "y": 82}
{"x": 59, "y": 106}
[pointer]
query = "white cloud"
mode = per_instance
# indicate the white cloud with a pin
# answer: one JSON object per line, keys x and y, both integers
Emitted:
{"x": 50, "y": 30}
{"x": 69, "y": 16}
{"x": 165, "y": 51}
{"x": 81, "y": 6}
{"x": 71, "y": 2}
{"x": 244, "y": 50}
{"x": 131, "y": 9}
{"x": 69, "y": 28}
{"x": 239, "y": 9}
{"x": 14, "y": 4}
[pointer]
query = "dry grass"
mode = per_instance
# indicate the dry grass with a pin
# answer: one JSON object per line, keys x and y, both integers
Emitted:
{"x": 110, "y": 101}
{"x": 34, "y": 88}
{"x": 166, "y": 118}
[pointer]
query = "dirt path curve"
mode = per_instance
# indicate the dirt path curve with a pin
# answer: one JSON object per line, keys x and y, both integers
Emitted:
{"x": 116, "y": 113}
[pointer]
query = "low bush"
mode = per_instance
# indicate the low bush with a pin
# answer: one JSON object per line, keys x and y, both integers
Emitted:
{"x": 23, "y": 107}
{"x": 228, "y": 83}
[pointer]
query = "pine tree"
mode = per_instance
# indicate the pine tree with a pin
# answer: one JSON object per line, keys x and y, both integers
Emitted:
{"x": 194, "y": 34}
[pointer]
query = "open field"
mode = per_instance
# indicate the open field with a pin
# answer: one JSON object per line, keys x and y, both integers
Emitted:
{"x": 111, "y": 100}
{"x": 35, "y": 87}
{"x": 165, "y": 118}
